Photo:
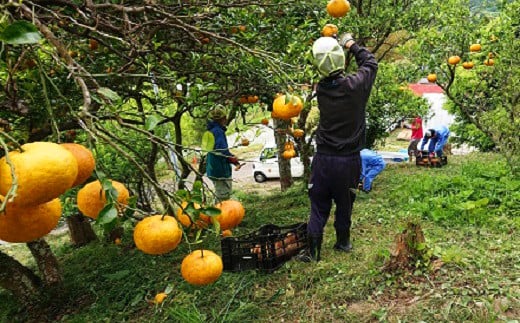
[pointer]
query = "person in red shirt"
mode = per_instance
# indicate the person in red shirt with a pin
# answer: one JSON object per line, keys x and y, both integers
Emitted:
{"x": 417, "y": 134}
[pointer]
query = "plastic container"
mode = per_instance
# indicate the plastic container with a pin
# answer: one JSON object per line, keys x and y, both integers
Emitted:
{"x": 265, "y": 249}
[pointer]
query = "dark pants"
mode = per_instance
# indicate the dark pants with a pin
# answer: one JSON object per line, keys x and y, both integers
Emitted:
{"x": 332, "y": 178}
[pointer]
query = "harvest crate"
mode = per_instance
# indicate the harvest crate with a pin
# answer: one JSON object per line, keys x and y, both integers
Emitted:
{"x": 422, "y": 159}
{"x": 265, "y": 249}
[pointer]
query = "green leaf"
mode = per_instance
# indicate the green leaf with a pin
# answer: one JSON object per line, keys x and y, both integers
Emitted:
{"x": 208, "y": 141}
{"x": 109, "y": 94}
{"x": 118, "y": 275}
{"x": 20, "y": 32}
{"x": 211, "y": 211}
{"x": 151, "y": 122}
{"x": 107, "y": 214}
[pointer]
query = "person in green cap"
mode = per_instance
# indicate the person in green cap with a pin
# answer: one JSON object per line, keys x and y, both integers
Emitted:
{"x": 219, "y": 160}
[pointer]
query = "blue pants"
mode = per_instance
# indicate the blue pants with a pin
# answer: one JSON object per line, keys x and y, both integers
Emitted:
{"x": 333, "y": 178}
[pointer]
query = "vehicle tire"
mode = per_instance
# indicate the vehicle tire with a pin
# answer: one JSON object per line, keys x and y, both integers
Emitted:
{"x": 260, "y": 177}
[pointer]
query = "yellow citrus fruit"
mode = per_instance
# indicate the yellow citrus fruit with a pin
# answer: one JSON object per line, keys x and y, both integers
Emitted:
{"x": 475, "y": 48}
{"x": 44, "y": 171}
{"x": 329, "y": 30}
{"x": 432, "y": 77}
{"x": 453, "y": 60}
{"x": 157, "y": 234}
{"x": 25, "y": 223}
{"x": 338, "y": 8}
{"x": 227, "y": 233}
{"x": 85, "y": 160}
{"x": 289, "y": 153}
{"x": 286, "y": 111}
{"x": 185, "y": 219}
{"x": 298, "y": 133}
{"x": 117, "y": 241}
{"x": 252, "y": 99}
{"x": 489, "y": 62}
{"x": 232, "y": 212}
{"x": 201, "y": 267}
{"x": 159, "y": 298}
{"x": 468, "y": 65}
{"x": 91, "y": 198}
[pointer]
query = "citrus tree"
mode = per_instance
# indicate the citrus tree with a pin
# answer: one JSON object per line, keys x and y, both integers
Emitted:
{"x": 473, "y": 55}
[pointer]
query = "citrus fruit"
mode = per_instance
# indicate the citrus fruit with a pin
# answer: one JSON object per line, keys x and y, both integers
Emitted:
{"x": 25, "y": 223}
{"x": 298, "y": 133}
{"x": 159, "y": 298}
{"x": 432, "y": 77}
{"x": 329, "y": 30}
{"x": 231, "y": 214}
{"x": 44, "y": 171}
{"x": 201, "y": 267}
{"x": 286, "y": 111}
{"x": 157, "y": 234}
{"x": 186, "y": 220}
{"x": 453, "y": 60}
{"x": 489, "y": 62}
{"x": 91, "y": 198}
{"x": 265, "y": 121}
{"x": 338, "y": 8}
{"x": 468, "y": 65}
{"x": 475, "y": 48}
{"x": 85, "y": 160}
{"x": 227, "y": 233}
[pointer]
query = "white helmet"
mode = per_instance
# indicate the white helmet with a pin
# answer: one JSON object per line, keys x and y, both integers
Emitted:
{"x": 328, "y": 55}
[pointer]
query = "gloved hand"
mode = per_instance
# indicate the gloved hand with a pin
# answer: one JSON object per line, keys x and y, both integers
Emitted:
{"x": 233, "y": 160}
{"x": 344, "y": 38}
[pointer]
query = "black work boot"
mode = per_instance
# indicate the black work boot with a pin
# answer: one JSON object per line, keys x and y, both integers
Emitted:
{"x": 313, "y": 250}
{"x": 343, "y": 241}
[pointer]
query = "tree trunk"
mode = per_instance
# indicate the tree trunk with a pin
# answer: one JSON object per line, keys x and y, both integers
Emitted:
{"x": 19, "y": 280}
{"x": 280, "y": 135}
{"x": 47, "y": 262}
{"x": 80, "y": 230}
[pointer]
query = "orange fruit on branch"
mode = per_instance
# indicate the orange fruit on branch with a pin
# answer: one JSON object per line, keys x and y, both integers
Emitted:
{"x": 288, "y": 154}
{"x": 232, "y": 212}
{"x": 85, "y": 160}
{"x": 468, "y": 65}
{"x": 201, "y": 267}
{"x": 432, "y": 77}
{"x": 91, "y": 198}
{"x": 329, "y": 30}
{"x": 475, "y": 48}
{"x": 44, "y": 171}
{"x": 489, "y": 62}
{"x": 286, "y": 108}
{"x": 338, "y": 8}
{"x": 25, "y": 223}
{"x": 186, "y": 220}
{"x": 157, "y": 234}
{"x": 298, "y": 133}
{"x": 454, "y": 60}
{"x": 227, "y": 233}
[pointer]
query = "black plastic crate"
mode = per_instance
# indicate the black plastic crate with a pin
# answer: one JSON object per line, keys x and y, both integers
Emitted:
{"x": 422, "y": 159}
{"x": 265, "y": 249}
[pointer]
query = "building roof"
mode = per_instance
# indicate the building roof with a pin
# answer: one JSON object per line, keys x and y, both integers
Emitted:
{"x": 423, "y": 87}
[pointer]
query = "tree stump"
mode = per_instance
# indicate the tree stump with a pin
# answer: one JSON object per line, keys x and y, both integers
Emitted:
{"x": 410, "y": 246}
{"x": 80, "y": 230}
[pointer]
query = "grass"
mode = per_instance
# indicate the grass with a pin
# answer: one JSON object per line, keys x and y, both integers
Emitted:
{"x": 476, "y": 280}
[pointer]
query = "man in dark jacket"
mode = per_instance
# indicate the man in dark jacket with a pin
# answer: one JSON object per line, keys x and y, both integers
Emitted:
{"x": 339, "y": 138}
{"x": 219, "y": 160}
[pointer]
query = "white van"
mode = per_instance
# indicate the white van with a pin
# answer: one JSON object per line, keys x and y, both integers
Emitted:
{"x": 266, "y": 166}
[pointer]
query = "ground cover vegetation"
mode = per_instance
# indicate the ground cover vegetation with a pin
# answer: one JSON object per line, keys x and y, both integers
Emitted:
{"x": 473, "y": 275}
{"x": 132, "y": 84}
